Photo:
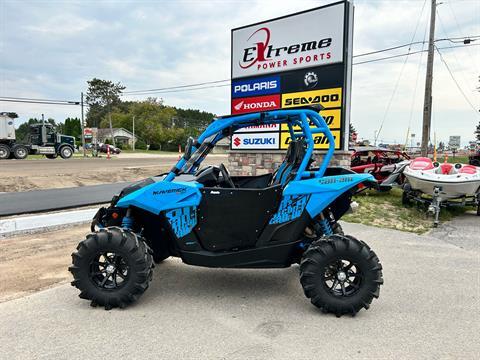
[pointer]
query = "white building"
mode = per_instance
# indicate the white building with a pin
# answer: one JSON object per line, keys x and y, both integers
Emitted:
{"x": 121, "y": 135}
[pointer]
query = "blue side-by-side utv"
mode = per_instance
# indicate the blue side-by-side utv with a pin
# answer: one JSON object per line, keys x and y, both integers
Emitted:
{"x": 208, "y": 218}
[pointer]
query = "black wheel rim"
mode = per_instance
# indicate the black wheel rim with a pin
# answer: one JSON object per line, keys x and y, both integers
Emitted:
{"x": 109, "y": 271}
{"x": 342, "y": 278}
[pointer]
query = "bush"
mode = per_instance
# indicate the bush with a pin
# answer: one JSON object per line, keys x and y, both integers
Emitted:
{"x": 140, "y": 145}
{"x": 154, "y": 146}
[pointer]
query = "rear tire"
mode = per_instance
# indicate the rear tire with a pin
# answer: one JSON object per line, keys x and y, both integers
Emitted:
{"x": 112, "y": 267}
{"x": 20, "y": 152}
{"x": 340, "y": 274}
{"x": 66, "y": 152}
{"x": 4, "y": 152}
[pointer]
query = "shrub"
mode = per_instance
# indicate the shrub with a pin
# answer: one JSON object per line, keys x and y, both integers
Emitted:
{"x": 140, "y": 145}
{"x": 154, "y": 146}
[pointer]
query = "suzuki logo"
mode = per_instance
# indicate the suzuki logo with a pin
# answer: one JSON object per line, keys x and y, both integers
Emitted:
{"x": 237, "y": 141}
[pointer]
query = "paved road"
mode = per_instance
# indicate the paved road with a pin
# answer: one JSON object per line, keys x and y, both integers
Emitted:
{"x": 34, "y": 167}
{"x": 428, "y": 309}
{"x": 56, "y": 199}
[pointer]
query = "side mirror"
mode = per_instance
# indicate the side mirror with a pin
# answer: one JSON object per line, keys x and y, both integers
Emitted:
{"x": 188, "y": 148}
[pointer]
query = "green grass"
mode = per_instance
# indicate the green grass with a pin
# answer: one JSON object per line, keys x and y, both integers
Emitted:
{"x": 385, "y": 209}
{"x": 454, "y": 160}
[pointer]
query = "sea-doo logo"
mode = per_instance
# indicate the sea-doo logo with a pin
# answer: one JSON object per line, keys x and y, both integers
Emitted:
{"x": 310, "y": 79}
{"x": 258, "y": 86}
{"x": 170, "y": 191}
{"x": 263, "y": 54}
{"x": 260, "y": 103}
{"x": 329, "y": 98}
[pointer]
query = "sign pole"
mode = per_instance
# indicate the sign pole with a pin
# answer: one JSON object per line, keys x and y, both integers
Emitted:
{"x": 82, "y": 126}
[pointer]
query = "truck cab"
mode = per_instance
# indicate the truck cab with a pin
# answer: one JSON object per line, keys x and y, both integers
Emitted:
{"x": 43, "y": 139}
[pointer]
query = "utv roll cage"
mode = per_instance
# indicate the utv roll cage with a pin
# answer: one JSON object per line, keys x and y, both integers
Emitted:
{"x": 299, "y": 123}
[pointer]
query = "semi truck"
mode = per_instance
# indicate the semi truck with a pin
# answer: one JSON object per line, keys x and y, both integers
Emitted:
{"x": 43, "y": 139}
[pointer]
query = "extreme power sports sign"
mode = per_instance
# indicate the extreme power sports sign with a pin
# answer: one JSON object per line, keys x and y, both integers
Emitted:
{"x": 296, "y": 60}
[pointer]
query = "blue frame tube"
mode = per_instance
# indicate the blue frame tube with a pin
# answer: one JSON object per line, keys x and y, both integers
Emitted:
{"x": 273, "y": 117}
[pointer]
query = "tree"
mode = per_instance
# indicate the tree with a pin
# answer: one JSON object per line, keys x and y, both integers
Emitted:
{"x": 72, "y": 127}
{"x": 24, "y": 128}
{"x": 352, "y": 130}
{"x": 101, "y": 96}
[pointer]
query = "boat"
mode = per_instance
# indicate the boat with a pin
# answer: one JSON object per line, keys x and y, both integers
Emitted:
{"x": 441, "y": 185}
{"x": 451, "y": 180}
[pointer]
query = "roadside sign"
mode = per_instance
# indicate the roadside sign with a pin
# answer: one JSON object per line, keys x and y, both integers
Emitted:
{"x": 281, "y": 63}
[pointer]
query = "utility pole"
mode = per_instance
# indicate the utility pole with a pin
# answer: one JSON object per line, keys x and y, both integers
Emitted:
{"x": 427, "y": 102}
{"x": 133, "y": 128}
{"x": 82, "y": 126}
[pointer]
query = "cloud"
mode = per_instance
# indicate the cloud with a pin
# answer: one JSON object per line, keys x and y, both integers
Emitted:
{"x": 50, "y": 50}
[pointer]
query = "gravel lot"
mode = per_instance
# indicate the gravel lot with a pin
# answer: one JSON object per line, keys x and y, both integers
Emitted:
{"x": 428, "y": 308}
{"x": 24, "y": 175}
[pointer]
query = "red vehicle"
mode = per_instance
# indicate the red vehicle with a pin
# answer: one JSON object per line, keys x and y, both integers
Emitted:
{"x": 384, "y": 164}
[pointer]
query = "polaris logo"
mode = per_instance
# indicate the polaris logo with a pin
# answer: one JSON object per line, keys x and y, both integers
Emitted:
{"x": 255, "y": 87}
{"x": 264, "y": 85}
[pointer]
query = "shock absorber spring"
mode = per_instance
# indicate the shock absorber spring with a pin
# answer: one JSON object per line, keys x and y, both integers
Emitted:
{"x": 325, "y": 225}
{"x": 127, "y": 221}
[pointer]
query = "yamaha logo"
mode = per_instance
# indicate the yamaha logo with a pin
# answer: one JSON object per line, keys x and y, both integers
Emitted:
{"x": 310, "y": 79}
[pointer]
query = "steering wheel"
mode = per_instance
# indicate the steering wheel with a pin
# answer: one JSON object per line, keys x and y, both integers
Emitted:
{"x": 226, "y": 176}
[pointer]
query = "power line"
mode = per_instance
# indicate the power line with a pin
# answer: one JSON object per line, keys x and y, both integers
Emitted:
{"x": 38, "y": 102}
{"x": 177, "y": 87}
{"x": 34, "y": 99}
{"x": 411, "y": 53}
{"x": 455, "y": 81}
{"x": 387, "y": 109}
{"x": 198, "y": 86}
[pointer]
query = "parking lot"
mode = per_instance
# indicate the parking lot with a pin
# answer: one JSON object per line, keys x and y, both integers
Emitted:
{"x": 428, "y": 308}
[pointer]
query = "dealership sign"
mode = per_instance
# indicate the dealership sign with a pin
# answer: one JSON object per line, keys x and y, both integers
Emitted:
{"x": 307, "y": 39}
{"x": 299, "y": 60}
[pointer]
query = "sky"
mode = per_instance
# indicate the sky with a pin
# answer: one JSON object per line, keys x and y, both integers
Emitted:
{"x": 50, "y": 49}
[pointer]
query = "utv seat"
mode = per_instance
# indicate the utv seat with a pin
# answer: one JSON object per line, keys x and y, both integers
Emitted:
{"x": 294, "y": 157}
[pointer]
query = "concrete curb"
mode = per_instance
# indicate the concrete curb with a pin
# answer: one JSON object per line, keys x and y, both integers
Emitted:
{"x": 35, "y": 223}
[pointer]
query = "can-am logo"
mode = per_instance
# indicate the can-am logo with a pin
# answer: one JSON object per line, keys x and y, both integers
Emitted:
{"x": 310, "y": 79}
{"x": 266, "y": 56}
{"x": 254, "y": 104}
{"x": 258, "y": 86}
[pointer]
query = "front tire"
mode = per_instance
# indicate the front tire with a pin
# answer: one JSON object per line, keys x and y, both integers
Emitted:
{"x": 66, "y": 152}
{"x": 340, "y": 275}
{"x": 112, "y": 267}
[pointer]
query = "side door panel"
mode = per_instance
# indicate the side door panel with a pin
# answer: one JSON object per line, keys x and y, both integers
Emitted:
{"x": 234, "y": 218}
